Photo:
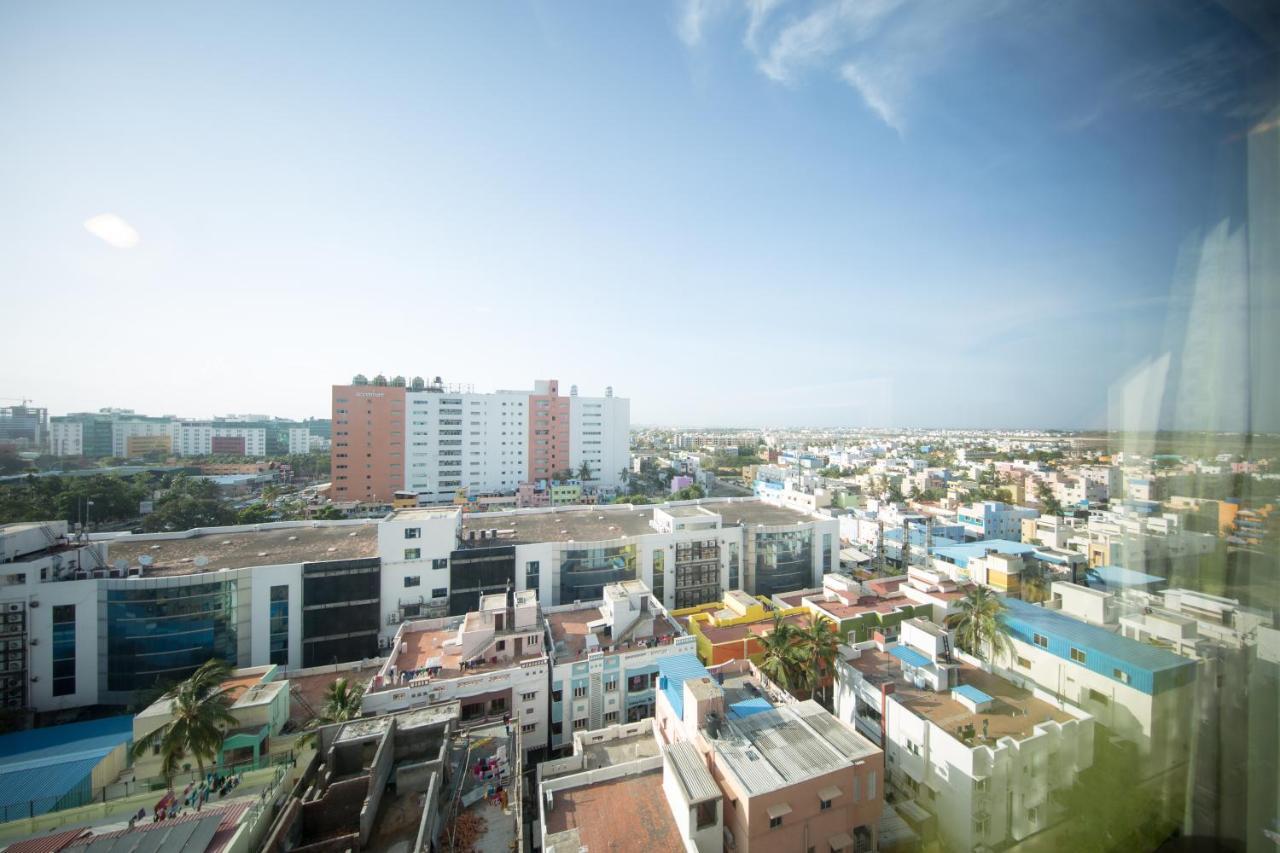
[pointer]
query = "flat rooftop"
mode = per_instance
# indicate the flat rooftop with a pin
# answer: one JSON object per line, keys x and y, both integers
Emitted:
{"x": 628, "y": 813}
{"x": 621, "y": 750}
{"x": 569, "y": 632}
{"x": 428, "y": 648}
{"x": 1014, "y": 712}
{"x": 602, "y": 523}
{"x": 249, "y": 548}
{"x": 786, "y": 745}
{"x": 865, "y": 604}
{"x": 307, "y": 690}
{"x": 735, "y": 633}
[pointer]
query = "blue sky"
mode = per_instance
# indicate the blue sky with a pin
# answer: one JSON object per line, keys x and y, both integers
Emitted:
{"x": 747, "y": 213}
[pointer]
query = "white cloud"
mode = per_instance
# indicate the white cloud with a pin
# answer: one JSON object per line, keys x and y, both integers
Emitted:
{"x": 880, "y": 48}
{"x": 112, "y": 230}
{"x": 694, "y": 16}
{"x": 875, "y": 93}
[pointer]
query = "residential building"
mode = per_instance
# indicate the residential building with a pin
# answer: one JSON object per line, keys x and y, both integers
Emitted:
{"x": 605, "y": 657}
{"x": 985, "y": 757}
{"x": 437, "y": 440}
{"x": 993, "y": 520}
{"x": 790, "y": 775}
{"x": 493, "y": 661}
{"x": 857, "y": 609}
{"x": 258, "y": 699}
{"x": 1140, "y": 693}
{"x": 731, "y": 629}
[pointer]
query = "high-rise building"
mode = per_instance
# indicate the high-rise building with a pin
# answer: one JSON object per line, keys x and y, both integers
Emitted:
{"x": 25, "y": 427}
{"x": 437, "y": 440}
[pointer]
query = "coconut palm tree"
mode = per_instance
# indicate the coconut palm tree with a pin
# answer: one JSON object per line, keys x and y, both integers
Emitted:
{"x": 817, "y": 652}
{"x": 980, "y": 626}
{"x": 198, "y": 719}
{"x": 1035, "y": 585}
{"x": 584, "y": 472}
{"x": 779, "y": 660}
{"x": 342, "y": 702}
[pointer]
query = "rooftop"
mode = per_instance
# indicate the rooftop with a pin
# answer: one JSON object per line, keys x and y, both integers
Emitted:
{"x": 1063, "y": 631}
{"x": 308, "y": 688}
{"x": 248, "y": 548}
{"x": 41, "y": 765}
{"x": 428, "y": 649}
{"x": 787, "y": 744}
{"x": 962, "y": 554}
{"x": 630, "y": 812}
{"x": 1118, "y": 576}
{"x": 737, "y": 633}
{"x": 601, "y": 523}
{"x": 865, "y": 604}
{"x": 1014, "y": 712}
{"x": 569, "y": 632}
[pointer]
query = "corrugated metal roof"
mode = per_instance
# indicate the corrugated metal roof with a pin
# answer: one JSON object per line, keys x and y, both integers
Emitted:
{"x": 673, "y": 672}
{"x": 747, "y": 707}
{"x": 972, "y": 693}
{"x": 692, "y": 772}
{"x": 41, "y": 766}
{"x": 1146, "y": 668}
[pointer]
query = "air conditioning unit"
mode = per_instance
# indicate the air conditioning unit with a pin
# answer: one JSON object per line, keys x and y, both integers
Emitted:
{"x": 34, "y": 604}
{"x": 35, "y": 641}
{"x": 15, "y": 608}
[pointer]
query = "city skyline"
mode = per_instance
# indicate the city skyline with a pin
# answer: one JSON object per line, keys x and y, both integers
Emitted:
{"x": 655, "y": 185}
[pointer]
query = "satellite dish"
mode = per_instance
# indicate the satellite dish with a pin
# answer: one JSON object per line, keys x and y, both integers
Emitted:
{"x": 201, "y": 561}
{"x": 146, "y": 560}
{"x": 121, "y": 564}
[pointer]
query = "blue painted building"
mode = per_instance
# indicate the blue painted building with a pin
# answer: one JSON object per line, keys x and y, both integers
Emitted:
{"x": 50, "y": 769}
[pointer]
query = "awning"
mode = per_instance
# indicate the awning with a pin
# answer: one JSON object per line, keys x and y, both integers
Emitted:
{"x": 843, "y": 841}
{"x": 778, "y": 810}
{"x": 829, "y": 793}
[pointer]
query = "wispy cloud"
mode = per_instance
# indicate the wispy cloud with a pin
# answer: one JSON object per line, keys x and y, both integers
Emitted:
{"x": 880, "y": 48}
{"x": 112, "y": 230}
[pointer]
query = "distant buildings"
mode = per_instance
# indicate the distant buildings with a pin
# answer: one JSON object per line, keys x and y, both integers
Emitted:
{"x": 23, "y": 427}
{"x": 125, "y": 434}
{"x": 436, "y": 440}
{"x": 993, "y": 520}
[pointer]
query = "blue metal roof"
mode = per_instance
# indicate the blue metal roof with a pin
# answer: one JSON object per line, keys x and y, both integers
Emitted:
{"x": 747, "y": 707}
{"x": 44, "y": 765}
{"x": 1144, "y": 667}
{"x": 972, "y": 693}
{"x": 1118, "y": 576}
{"x": 672, "y": 674}
{"x": 909, "y": 656}
{"x": 962, "y": 554}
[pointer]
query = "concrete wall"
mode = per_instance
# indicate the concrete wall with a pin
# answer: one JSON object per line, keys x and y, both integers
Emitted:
{"x": 379, "y": 771}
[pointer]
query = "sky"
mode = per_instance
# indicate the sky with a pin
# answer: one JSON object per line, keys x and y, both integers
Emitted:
{"x": 758, "y": 213}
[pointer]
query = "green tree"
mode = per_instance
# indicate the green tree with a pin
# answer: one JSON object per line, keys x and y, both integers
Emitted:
{"x": 255, "y": 513}
{"x": 329, "y": 512}
{"x": 343, "y": 701}
{"x": 689, "y": 493}
{"x": 189, "y": 503}
{"x": 817, "y": 649}
{"x": 980, "y": 627}
{"x": 1035, "y": 583}
{"x": 584, "y": 472}
{"x": 637, "y": 500}
{"x": 199, "y": 717}
{"x": 779, "y": 659}
{"x": 1049, "y": 503}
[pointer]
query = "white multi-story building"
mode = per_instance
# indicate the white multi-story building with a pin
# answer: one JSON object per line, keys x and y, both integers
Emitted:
{"x": 984, "y": 756}
{"x": 199, "y": 439}
{"x": 993, "y": 520}
{"x": 66, "y": 438}
{"x": 299, "y": 440}
{"x": 122, "y": 431}
{"x": 493, "y": 661}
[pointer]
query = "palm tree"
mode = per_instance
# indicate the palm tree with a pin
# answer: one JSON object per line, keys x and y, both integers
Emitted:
{"x": 199, "y": 716}
{"x": 584, "y": 473}
{"x": 980, "y": 626}
{"x": 817, "y": 645}
{"x": 778, "y": 658}
{"x": 1035, "y": 585}
{"x": 342, "y": 702}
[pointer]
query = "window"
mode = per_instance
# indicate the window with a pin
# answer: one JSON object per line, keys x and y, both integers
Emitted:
{"x": 611, "y": 717}
{"x": 1040, "y": 640}
{"x": 1077, "y": 655}
{"x": 611, "y": 684}
{"x": 441, "y": 563}
{"x": 706, "y": 814}
{"x": 823, "y": 805}
{"x": 557, "y": 695}
{"x": 579, "y": 725}
{"x": 1024, "y": 663}
{"x": 412, "y": 553}
{"x": 556, "y": 728}
{"x": 412, "y": 532}
{"x": 528, "y": 727}
{"x": 1121, "y": 675}
{"x": 412, "y": 580}
{"x": 64, "y": 649}
{"x": 579, "y": 692}
{"x": 440, "y": 592}
{"x": 1099, "y": 697}
{"x": 775, "y": 822}
{"x": 529, "y": 697}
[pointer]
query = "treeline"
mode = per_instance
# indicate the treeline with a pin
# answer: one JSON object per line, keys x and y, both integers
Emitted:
{"x": 180, "y": 501}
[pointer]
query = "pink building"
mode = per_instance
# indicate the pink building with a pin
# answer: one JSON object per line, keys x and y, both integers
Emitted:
{"x": 549, "y": 428}
{"x": 792, "y": 776}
